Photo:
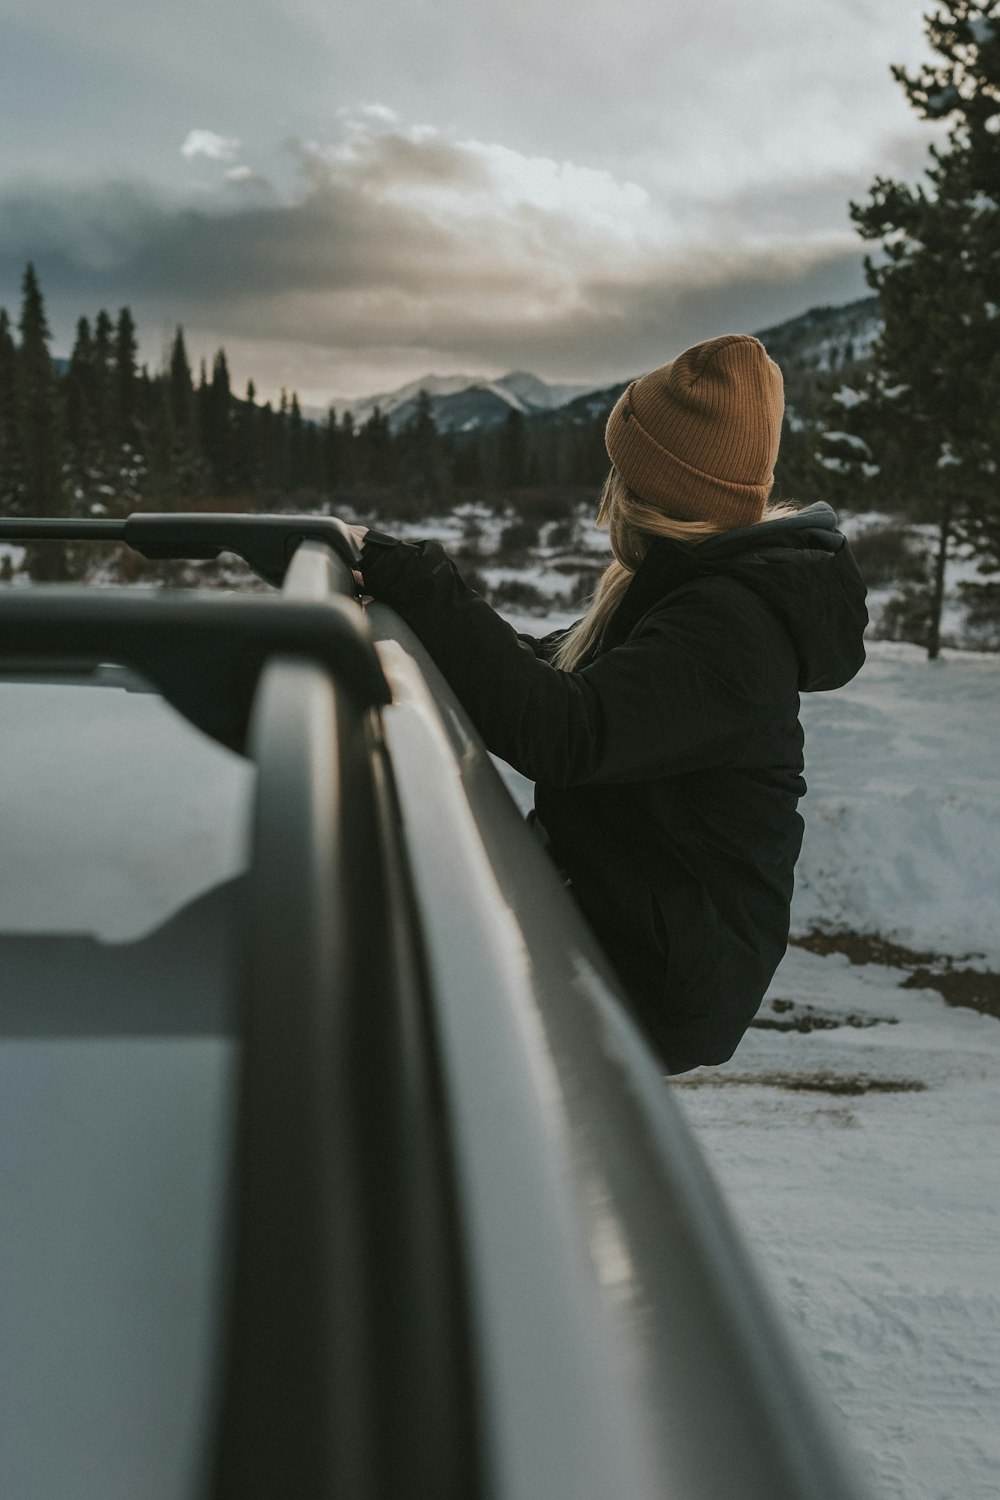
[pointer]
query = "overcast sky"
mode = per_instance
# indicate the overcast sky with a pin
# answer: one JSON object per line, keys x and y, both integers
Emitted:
{"x": 349, "y": 195}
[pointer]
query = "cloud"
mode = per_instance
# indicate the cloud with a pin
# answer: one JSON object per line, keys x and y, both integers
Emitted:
{"x": 207, "y": 143}
{"x": 246, "y": 180}
{"x": 378, "y": 112}
{"x": 401, "y": 251}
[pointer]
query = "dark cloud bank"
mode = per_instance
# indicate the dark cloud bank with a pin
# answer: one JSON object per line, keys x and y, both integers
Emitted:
{"x": 393, "y": 245}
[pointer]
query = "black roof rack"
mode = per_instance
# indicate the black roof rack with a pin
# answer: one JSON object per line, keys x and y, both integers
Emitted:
{"x": 204, "y": 654}
{"x": 266, "y": 543}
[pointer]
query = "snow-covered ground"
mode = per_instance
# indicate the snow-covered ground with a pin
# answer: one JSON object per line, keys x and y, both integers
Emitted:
{"x": 903, "y": 810}
{"x": 855, "y": 1132}
{"x": 876, "y": 1213}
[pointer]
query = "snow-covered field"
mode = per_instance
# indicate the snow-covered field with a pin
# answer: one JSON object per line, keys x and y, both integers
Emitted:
{"x": 855, "y": 1132}
{"x": 877, "y": 1213}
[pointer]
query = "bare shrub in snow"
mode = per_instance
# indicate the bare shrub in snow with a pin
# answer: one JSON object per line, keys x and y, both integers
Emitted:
{"x": 516, "y": 593}
{"x": 982, "y": 615}
{"x": 888, "y": 554}
{"x": 519, "y": 536}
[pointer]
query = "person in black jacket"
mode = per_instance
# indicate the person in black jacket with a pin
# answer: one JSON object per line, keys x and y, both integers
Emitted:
{"x": 661, "y": 730}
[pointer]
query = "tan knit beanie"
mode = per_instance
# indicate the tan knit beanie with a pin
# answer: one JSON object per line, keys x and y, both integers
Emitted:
{"x": 699, "y": 436}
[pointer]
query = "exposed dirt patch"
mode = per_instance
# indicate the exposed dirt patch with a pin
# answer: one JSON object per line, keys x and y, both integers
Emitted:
{"x": 788, "y": 1015}
{"x": 833, "y": 1083}
{"x": 966, "y": 987}
{"x": 972, "y": 989}
{"x": 864, "y": 948}
{"x": 849, "y": 1084}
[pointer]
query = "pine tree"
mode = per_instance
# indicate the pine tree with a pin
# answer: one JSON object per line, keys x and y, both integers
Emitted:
{"x": 165, "y": 483}
{"x": 124, "y": 380}
{"x": 41, "y": 491}
{"x": 37, "y": 390}
{"x": 297, "y": 465}
{"x": 312, "y": 457}
{"x": 929, "y": 411}
{"x": 513, "y": 455}
{"x": 347, "y": 454}
{"x": 203, "y": 414}
{"x": 188, "y": 468}
{"x": 181, "y": 389}
{"x": 377, "y": 451}
{"x": 466, "y": 463}
{"x": 76, "y": 392}
{"x": 130, "y": 463}
{"x": 246, "y": 444}
{"x": 217, "y": 436}
{"x": 420, "y": 450}
{"x": 268, "y": 455}
{"x": 82, "y": 470}
{"x": 102, "y": 388}
{"x": 280, "y": 467}
{"x": 10, "y": 444}
{"x": 332, "y": 443}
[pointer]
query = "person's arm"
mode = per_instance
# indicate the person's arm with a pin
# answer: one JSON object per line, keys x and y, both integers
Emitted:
{"x": 683, "y": 693}
{"x": 544, "y": 646}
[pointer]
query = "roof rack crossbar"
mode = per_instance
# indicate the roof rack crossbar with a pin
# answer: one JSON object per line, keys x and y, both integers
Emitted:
{"x": 59, "y": 529}
{"x": 203, "y": 653}
{"x": 266, "y": 543}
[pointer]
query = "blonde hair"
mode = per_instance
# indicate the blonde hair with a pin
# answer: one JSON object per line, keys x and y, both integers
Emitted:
{"x": 632, "y": 524}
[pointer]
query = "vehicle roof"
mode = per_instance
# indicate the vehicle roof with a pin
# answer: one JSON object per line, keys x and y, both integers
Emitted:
{"x": 124, "y": 836}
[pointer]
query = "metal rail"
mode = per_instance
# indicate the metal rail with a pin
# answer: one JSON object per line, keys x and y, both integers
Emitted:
{"x": 266, "y": 543}
{"x": 346, "y": 1370}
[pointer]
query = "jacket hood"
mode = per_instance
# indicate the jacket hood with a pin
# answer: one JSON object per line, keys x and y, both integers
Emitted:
{"x": 800, "y": 566}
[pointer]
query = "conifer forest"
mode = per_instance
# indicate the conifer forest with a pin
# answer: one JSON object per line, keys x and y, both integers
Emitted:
{"x": 98, "y": 435}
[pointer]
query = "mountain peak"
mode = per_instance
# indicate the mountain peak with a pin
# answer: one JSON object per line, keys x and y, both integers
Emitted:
{"x": 463, "y": 401}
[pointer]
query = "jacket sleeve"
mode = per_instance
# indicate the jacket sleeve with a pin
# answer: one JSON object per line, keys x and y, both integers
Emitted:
{"x": 684, "y": 692}
{"x": 544, "y": 646}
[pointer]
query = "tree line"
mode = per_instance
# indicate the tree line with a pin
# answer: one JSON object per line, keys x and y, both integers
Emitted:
{"x": 98, "y": 435}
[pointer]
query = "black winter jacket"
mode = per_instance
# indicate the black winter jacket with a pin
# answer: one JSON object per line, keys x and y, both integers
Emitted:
{"x": 668, "y": 766}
